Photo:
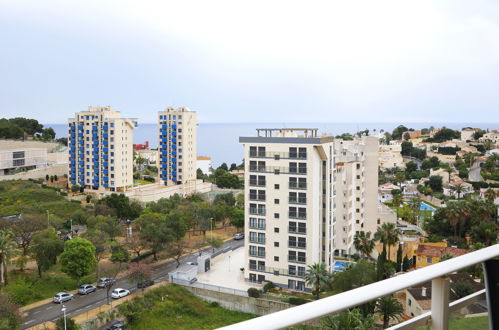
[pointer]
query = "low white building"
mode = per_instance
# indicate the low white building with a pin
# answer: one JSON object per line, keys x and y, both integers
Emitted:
{"x": 151, "y": 156}
{"x": 385, "y": 192}
{"x": 16, "y": 160}
{"x": 205, "y": 164}
{"x": 451, "y": 190}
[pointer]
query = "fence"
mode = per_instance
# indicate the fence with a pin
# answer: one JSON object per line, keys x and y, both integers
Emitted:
{"x": 210, "y": 287}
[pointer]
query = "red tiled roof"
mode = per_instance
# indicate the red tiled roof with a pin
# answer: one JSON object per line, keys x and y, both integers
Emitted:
{"x": 438, "y": 251}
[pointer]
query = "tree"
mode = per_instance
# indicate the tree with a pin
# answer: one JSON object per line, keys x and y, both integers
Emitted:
{"x": 462, "y": 289}
{"x": 135, "y": 243}
{"x": 452, "y": 214}
{"x": 139, "y": 273}
{"x": 228, "y": 180}
{"x": 406, "y": 136}
{"x": 406, "y": 264}
{"x": 70, "y": 324}
{"x": 318, "y": 277}
{"x": 155, "y": 231}
{"x": 446, "y": 256}
{"x": 237, "y": 218}
{"x": 352, "y": 319}
{"x": 48, "y": 134}
{"x": 491, "y": 194}
{"x": 46, "y": 247}
{"x": 364, "y": 243}
{"x": 123, "y": 207}
{"x": 80, "y": 217}
{"x": 106, "y": 224}
{"x": 411, "y": 166}
{"x": 388, "y": 235}
{"x": 435, "y": 182}
{"x": 224, "y": 167}
{"x": 75, "y": 188}
{"x": 78, "y": 258}
{"x": 389, "y": 308}
{"x": 399, "y": 257}
{"x": 233, "y": 167}
{"x": 485, "y": 232}
{"x": 459, "y": 189}
{"x": 398, "y": 131}
{"x": 8, "y": 248}
{"x": 10, "y": 317}
{"x": 176, "y": 249}
{"x": 100, "y": 240}
{"x": 25, "y": 227}
{"x": 360, "y": 274}
{"x": 406, "y": 148}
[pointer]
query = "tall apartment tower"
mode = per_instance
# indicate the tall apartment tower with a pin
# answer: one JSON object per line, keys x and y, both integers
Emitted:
{"x": 101, "y": 149}
{"x": 177, "y": 145}
{"x": 305, "y": 197}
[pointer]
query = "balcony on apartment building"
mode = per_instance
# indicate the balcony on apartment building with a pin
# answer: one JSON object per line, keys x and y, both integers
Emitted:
{"x": 437, "y": 318}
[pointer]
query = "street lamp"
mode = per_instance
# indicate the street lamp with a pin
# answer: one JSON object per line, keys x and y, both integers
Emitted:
{"x": 71, "y": 221}
{"x": 64, "y": 311}
{"x": 211, "y": 227}
{"x": 402, "y": 261}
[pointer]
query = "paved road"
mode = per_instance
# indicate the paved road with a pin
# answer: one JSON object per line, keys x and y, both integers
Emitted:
{"x": 82, "y": 304}
{"x": 474, "y": 173}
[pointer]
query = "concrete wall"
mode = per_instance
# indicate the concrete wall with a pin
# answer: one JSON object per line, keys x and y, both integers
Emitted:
{"x": 17, "y": 144}
{"x": 250, "y": 305}
{"x": 59, "y": 170}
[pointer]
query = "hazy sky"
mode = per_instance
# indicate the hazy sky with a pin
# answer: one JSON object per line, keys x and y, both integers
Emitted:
{"x": 256, "y": 61}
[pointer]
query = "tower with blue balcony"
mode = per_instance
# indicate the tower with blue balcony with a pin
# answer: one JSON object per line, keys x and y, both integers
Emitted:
{"x": 101, "y": 150}
{"x": 177, "y": 129}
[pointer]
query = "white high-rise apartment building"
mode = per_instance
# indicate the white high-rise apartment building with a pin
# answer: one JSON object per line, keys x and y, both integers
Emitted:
{"x": 177, "y": 128}
{"x": 305, "y": 197}
{"x": 101, "y": 149}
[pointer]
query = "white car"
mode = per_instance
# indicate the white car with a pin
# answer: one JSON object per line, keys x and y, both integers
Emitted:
{"x": 120, "y": 293}
{"x": 62, "y": 297}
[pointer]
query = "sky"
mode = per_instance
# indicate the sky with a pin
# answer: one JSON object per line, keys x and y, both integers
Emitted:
{"x": 252, "y": 61}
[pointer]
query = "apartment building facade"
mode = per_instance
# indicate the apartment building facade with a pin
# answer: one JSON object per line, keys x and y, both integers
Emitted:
{"x": 101, "y": 149}
{"x": 15, "y": 160}
{"x": 177, "y": 131}
{"x": 305, "y": 197}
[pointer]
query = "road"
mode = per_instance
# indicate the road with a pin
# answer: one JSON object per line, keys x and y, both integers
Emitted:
{"x": 474, "y": 173}
{"x": 82, "y": 304}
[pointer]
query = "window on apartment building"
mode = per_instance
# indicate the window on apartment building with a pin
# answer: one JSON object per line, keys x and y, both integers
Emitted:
{"x": 302, "y": 153}
{"x": 252, "y": 223}
{"x": 292, "y": 270}
{"x": 276, "y": 215}
{"x": 429, "y": 260}
{"x": 293, "y": 152}
{"x": 358, "y": 176}
{"x": 357, "y": 199}
{"x": 252, "y": 250}
{"x": 358, "y": 166}
{"x": 276, "y": 200}
{"x": 252, "y": 264}
{"x": 261, "y": 151}
{"x": 276, "y": 258}
{"x": 293, "y": 167}
{"x": 276, "y": 244}
{"x": 357, "y": 210}
{"x": 292, "y": 284}
{"x": 276, "y": 229}
{"x": 276, "y": 186}
{"x": 252, "y": 151}
{"x": 379, "y": 221}
{"x": 357, "y": 221}
{"x": 409, "y": 302}
{"x": 358, "y": 188}
{"x": 302, "y": 168}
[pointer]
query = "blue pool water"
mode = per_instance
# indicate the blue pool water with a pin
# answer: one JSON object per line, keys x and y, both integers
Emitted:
{"x": 426, "y": 207}
{"x": 339, "y": 266}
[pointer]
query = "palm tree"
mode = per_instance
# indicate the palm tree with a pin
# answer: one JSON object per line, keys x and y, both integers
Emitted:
{"x": 318, "y": 277}
{"x": 397, "y": 200}
{"x": 388, "y": 235}
{"x": 464, "y": 213}
{"x": 449, "y": 170}
{"x": 8, "y": 248}
{"x": 364, "y": 243}
{"x": 452, "y": 213}
{"x": 389, "y": 308}
{"x": 490, "y": 194}
{"x": 459, "y": 190}
{"x": 349, "y": 320}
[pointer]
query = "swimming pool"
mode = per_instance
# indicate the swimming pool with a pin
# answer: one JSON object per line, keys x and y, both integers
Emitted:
{"x": 425, "y": 207}
{"x": 338, "y": 265}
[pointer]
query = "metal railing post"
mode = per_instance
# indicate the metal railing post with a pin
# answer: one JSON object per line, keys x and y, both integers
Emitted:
{"x": 491, "y": 271}
{"x": 440, "y": 303}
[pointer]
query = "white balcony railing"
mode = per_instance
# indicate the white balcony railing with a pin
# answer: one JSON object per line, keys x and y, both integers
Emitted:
{"x": 440, "y": 307}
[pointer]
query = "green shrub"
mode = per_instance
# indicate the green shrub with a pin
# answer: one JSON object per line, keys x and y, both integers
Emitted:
{"x": 268, "y": 286}
{"x": 214, "y": 304}
{"x": 297, "y": 301}
{"x": 63, "y": 193}
{"x": 254, "y": 292}
{"x": 142, "y": 256}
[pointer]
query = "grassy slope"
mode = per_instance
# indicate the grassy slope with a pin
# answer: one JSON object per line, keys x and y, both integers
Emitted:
{"x": 180, "y": 309}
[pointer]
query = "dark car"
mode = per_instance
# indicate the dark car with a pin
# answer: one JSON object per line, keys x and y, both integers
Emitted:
{"x": 145, "y": 284}
{"x": 105, "y": 281}
{"x": 115, "y": 325}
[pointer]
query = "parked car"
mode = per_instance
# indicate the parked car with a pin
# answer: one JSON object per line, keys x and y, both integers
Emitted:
{"x": 145, "y": 284}
{"x": 86, "y": 289}
{"x": 115, "y": 325}
{"x": 62, "y": 297}
{"x": 120, "y": 293}
{"x": 239, "y": 236}
{"x": 105, "y": 281}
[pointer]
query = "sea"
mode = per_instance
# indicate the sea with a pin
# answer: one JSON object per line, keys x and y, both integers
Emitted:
{"x": 220, "y": 141}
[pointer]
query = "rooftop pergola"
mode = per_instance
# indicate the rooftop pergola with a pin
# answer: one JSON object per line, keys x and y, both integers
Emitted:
{"x": 268, "y": 132}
